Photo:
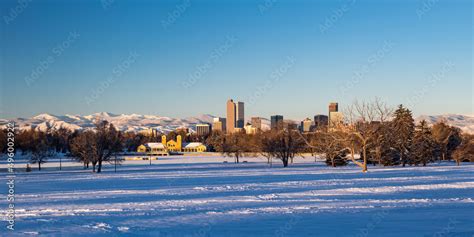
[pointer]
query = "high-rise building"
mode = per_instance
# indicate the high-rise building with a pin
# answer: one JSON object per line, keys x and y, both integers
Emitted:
{"x": 276, "y": 122}
{"x": 235, "y": 115}
{"x": 230, "y": 121}
{"x": 321, "y": 121}
{"x": 203, "y": 129}
{"x": 256, "y": 123}
{"x": 335, "y": 118}
{"x": 333, "y": 107}
{"x": 240, "y": 117}
{"x": 306, "y": 125}
{"x": 219, "y": 124}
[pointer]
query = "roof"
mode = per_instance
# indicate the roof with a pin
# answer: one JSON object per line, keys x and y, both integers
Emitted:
{"x": 192, "y": 144}
{"x": 154, "y": 145}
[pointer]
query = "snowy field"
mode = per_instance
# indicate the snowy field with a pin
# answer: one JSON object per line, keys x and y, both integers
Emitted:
{"x": 206, "y": 197}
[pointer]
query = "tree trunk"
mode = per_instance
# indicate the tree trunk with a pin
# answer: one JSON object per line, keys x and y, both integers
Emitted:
{"x": 99, "y": 168}
{"x": 364, "y": 168}
{"x": 285, "y": 162}
{"x": 39, "y": 166}
{"x": 93, "y": 168}
{"x": 403, "y": 159}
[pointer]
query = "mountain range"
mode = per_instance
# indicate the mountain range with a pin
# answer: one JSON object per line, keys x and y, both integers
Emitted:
{"x": 136, "y": 122}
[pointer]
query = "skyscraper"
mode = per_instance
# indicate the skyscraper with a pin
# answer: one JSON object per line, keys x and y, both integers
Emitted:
{"x": 230, "y": 121}
{"x": 335, "y": 117}
{"x": 333, "y": 107}
{"x": 276, "y": 122}
{"x": 321, "y": 120}
{"x": 240, "y": 118}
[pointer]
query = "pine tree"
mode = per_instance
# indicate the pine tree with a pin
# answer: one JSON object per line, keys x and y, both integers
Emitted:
{"x": 424, "y": 147}
{"x": 403, "y": 126}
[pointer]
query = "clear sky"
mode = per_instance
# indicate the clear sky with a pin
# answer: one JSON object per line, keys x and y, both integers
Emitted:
{"x": 185, "y": 58}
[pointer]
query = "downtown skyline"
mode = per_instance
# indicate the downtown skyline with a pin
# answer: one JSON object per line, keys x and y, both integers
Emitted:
{"x": 282, "y": 58}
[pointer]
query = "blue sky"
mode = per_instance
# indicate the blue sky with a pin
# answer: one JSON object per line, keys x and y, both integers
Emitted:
{"x": 184, "y": 58}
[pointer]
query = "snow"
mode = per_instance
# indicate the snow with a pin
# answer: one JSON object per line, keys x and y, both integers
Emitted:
{"x": 464, "y": 122}
{"x": 203, "y": 196}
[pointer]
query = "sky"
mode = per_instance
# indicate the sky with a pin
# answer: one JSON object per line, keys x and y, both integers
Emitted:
{"x": 186, "y": 58}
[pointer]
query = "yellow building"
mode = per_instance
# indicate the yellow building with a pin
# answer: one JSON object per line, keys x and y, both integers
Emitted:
{"x": 174, "y": 146}
{"x": 194, "y": 147}
{"x": 153, "y": 148}
{"x": 163, "y": 148}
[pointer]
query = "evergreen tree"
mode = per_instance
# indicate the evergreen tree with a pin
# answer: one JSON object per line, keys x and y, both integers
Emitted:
{"x": 403, "y": 126}
{"x": 424, "y": 148}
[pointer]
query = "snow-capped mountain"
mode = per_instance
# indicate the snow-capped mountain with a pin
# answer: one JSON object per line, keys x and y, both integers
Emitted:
{"x": 464, "y": 122}
{"x": 137, "y": 122}
{"x": 123, "y": 122}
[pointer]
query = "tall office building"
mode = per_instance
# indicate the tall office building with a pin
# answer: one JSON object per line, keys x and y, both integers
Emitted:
{"x": 306, "y": 125}
{"x": 321, "y": 121}
{"x": 276, "y": 122}
{"x": 203, "y": 129}
{"x": 219, "y": 124}
{"x": 256, "y": 123}
{"x": 230, "y": 121}
{"x": 240, "y": 118}
{"x": 235, "y": 116}
{"x": 333, "y": 113}
{"x": 333, "y": 107}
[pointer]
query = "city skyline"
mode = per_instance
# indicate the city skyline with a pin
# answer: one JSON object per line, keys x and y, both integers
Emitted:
{"x": 283, "y": 58}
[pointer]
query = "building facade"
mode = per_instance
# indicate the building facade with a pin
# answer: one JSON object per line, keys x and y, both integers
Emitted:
{"x": 306, "y": 125}
{"x": 321, "y": 121}
{"x": 240, "y": 117}
{"x": 230, "y": 120}
{"x": 276, "y": 122}
{"x": 219, "y": 124}
{"x": 235, "y": 116}
{"x": 203, "y": 129}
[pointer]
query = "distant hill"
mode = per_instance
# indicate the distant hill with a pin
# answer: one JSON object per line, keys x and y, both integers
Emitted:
{"x": 464, "y": 122}
{"x": 137, "y": 122}
{"x": 123, "y": 122}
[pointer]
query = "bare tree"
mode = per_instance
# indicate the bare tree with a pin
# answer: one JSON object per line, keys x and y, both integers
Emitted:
{"x": 331, "y": 145}
{"x": 83, "y": 149}
{"x": 284, "y": 145}
{"x": 98, "y": 146}
{"x": 363, "y": 118}
{"x": 40, "y": 148}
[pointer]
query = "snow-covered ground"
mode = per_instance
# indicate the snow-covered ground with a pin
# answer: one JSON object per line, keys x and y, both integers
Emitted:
{"x": 202, "y": 196}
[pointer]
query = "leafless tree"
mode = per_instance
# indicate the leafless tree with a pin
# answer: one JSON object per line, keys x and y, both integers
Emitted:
{"x": 363, "y": 119}
{"x": 40, "y": 148}
{"x": 97, "y": 146}
{"x": 284, "y": 145}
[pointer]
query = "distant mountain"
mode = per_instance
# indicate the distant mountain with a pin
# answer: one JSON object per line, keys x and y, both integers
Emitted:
{"x": 464, "y": 122}
{"x": 137, "y": 122}
{"x": 123, "y": 122}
